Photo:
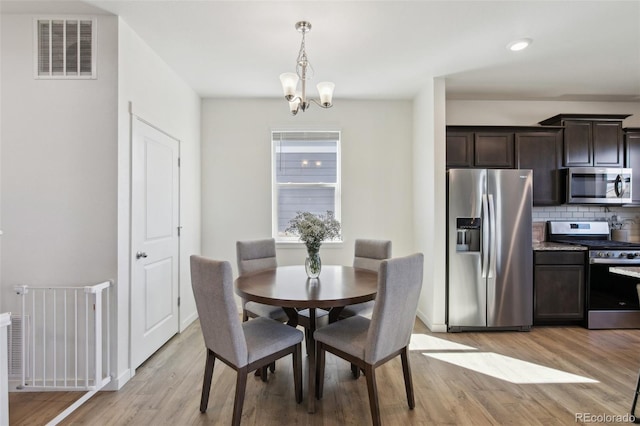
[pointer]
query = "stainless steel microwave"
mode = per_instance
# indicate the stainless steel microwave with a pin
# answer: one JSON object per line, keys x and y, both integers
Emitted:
{"x": 597, "y": 185}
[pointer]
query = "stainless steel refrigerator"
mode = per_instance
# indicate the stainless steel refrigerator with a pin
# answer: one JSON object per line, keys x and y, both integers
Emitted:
{"x": 489, "y": 251}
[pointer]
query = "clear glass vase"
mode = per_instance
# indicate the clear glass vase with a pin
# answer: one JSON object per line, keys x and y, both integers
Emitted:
{"x": 312, "y": 264}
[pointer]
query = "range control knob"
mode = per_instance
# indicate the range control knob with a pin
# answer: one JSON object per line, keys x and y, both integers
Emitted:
{"x": 623, "y": 254}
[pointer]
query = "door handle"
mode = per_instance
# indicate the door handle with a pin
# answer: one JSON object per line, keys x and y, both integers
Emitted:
{"x": 140, "y": 254}
{"x": 484, "y": 252}
{"x": 617, "y": 186}
{"x": 492, "y": 242}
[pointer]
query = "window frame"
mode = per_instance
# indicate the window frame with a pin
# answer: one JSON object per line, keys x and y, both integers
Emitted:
{"x": 294, "y": 240}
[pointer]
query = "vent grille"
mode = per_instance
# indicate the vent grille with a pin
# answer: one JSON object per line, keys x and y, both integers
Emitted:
{"x": 65, "y": 48}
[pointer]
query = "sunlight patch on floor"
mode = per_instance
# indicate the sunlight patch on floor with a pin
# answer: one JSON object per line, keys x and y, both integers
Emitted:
{"x": 508, "y": 369}
{"x": 422, "y": 342}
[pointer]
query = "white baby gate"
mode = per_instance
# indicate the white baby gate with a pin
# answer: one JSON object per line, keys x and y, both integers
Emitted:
{"x": 62, "y": 340}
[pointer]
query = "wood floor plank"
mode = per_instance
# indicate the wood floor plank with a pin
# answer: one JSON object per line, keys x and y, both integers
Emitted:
{"x": 166, "y": 388}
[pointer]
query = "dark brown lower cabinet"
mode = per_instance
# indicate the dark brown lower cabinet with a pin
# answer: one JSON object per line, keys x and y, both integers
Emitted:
{"x": 558, "y": 287}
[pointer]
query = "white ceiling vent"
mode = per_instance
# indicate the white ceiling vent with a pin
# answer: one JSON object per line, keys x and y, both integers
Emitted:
{"x": 65, "y": 48}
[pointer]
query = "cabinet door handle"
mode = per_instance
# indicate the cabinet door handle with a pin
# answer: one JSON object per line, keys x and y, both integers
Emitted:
{"x": 141, "y": 254}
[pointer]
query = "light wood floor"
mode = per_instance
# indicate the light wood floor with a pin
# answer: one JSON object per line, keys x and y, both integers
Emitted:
{"x": 166, "y": 389}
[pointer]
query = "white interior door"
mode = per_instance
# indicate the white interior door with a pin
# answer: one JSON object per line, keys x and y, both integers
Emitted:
{"x": 154, "y": 240}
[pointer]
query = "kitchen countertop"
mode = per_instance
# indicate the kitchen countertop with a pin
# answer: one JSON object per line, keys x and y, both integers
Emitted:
{"x": 550, "y": 246}
{"x": 629, "y": 271}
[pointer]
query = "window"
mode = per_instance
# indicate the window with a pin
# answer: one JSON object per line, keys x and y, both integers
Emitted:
{"x": 65, "y": 48}
{"x": 306, "y": 176}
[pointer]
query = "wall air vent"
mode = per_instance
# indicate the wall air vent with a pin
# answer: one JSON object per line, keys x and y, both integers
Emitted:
{"x": 65, "y": 48}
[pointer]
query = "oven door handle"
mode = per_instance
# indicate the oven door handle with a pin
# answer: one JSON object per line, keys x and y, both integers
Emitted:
{"x": 614, "y": 262}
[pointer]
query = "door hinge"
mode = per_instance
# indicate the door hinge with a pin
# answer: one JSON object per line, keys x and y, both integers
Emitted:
{"x": 179, "y": 230}
{"x": 178, "y": 161}
{"x": 178, "y": 302}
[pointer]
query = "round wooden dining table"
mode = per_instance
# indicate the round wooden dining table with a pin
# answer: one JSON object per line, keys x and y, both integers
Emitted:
{"x": 289, "y": 287}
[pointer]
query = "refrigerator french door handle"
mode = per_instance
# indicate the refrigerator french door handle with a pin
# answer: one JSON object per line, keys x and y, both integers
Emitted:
{"x": 484, "y": 253}
{"x": 492, "y": 238}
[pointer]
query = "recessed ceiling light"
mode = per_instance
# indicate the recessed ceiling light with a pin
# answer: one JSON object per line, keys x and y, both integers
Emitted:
{"x": 519, "y": 44}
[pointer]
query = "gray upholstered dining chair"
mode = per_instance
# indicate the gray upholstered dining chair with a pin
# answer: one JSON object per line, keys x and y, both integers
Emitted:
{"x": 368, "y": 254}
{"x": 260, "y": 255}
{"x": 243, "y": 346}
{"x": 253, "y": 256}
{"x": 369, "y": 343}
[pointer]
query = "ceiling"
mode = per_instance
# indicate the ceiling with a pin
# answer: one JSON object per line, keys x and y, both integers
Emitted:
{"x": 581, "y": 50}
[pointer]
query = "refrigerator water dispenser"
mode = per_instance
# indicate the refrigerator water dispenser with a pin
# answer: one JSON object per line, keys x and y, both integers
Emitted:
{"x": 468, "y": 234}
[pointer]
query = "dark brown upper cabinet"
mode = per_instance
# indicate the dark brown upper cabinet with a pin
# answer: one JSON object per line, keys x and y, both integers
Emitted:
{"x": 459, "y": 149}
{"x": 632, "y": 160}
{"x": 480, "y": 147}
{"x": 591, "y": 139}
{"x": 494, "y": 150}
{"x": 541, "y": 151}
{"x": 524, "y": 147}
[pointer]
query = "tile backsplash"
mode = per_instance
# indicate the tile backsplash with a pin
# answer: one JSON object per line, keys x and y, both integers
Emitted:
{"x": 624, "y": 217}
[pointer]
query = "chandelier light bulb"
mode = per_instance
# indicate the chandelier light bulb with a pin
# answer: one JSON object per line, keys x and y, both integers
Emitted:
{"x": 294, "y": 105}
{"x": 289, "y": 82}
{"x": 325, "y": 89}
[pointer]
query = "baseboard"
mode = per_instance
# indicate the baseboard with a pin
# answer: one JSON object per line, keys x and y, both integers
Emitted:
{"x": 188, "y": 320}
{"x": 433, "y": 327}
{"x": 119, "y": 382}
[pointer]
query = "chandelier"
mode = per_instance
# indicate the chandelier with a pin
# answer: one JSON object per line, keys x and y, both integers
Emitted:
{"x": 304, "y": 71}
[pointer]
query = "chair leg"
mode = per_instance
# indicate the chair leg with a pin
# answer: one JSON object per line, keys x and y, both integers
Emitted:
{"x": 372, "y": 387}
{"x": 321, "y": 361}
{"x": 297, "y": 372}
{"x": 408, "y": 382}
{"x": 306, "y": 339}
{"x": 206, "y": 383}
{"x": 635, "y": 400}
{"x": 355, "y": 371}
{"x": 245, "y": 315}
{"x": 272, "y": 367}
{"x": 241, "y": 386}
{"x": 263, "y": 373}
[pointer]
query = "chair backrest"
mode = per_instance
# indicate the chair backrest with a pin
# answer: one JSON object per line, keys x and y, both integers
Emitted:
{"x": 369, "y": 253}
{"x": 394, "y": 313}
{"x": 256, "y": 255}
{"x": 212, "y": 283}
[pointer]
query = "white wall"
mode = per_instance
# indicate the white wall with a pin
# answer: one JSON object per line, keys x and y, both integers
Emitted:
{"x": 530, "y": 113}
{"x": 58, "y": 167}
{"x": 377, "y": 194}
{"x": 429, "y": 200}
{"x": 65, "y": 168}
{"x": 156, "y": 94}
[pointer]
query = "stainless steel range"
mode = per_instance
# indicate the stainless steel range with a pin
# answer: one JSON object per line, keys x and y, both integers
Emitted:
{"x": 611, "y": 299}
